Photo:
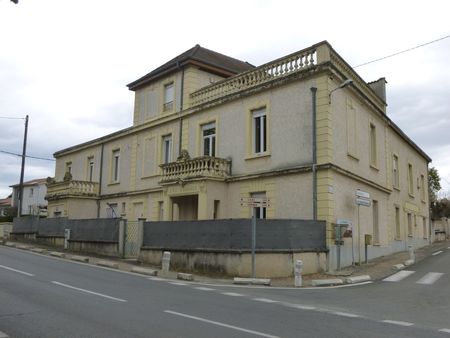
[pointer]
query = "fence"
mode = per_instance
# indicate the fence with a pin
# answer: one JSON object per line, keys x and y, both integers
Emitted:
{"x": 90, "y": 235}
{"x": 235, "y": 235}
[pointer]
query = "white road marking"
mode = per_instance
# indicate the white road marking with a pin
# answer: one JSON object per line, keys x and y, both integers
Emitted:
{"x": 398, "y": 276}
{"x": 437, "y": 253}
{"x": 445, "y": 330}
{"x": 177, "y": 283}
{"x": 202, "y": 288}
{"x": 3, "y": 335}
{"x": 430, "y": 278}
{"x": 221, "y": 324}
{"x": 265, "y": 300}
{"x": 299, "y": 306}
{"x": 397, "y": 322}
{"x": 88, "y": 291}
{"x": 346, "y": 314}
{"x": 15, "y": 270}
{"x": 157, "y": 279}
{"x": 232, "y": 294}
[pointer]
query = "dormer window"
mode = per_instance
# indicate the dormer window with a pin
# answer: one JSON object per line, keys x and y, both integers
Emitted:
{"x": 168, "y": 97}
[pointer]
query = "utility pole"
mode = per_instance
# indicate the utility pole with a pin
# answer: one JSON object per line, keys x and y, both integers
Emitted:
{"x": 22, "y": 170}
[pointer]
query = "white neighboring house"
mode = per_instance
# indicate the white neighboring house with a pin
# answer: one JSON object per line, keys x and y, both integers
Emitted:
{"x": 34, "y": 202}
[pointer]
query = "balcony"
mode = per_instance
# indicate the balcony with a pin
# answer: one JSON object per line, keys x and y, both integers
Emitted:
{"x": 200, "y": 167}
{"x": 71, "y": 188}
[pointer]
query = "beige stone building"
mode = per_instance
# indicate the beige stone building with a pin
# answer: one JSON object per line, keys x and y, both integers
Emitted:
{"x": 305, "y": 131}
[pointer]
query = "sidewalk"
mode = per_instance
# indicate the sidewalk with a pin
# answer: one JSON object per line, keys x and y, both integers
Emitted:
{"x": 377, "y": 269}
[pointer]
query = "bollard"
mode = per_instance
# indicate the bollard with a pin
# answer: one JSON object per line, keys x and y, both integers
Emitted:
{"x": 66, "y": 238}
{"x": 298, "y": 272}
{"x": 165, "y": 261}
{"x": 412, "y": 256}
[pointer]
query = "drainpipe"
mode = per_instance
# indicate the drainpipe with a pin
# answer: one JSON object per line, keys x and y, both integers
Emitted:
{"x": 181, "y": 109}
{"x": 100, "y": 180}
{"x": 314, "y": 151}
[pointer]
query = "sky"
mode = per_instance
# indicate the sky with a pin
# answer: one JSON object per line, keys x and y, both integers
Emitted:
{"x": 66, "y": 63}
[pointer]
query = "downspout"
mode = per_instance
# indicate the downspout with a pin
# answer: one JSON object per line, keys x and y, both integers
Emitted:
{"x": 314, "y": 151}
{"x": 100, "y": 181}
{"x": 181, "y": 109}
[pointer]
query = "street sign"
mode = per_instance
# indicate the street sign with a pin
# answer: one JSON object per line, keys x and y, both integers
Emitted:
{"x": 344, "y": 222}
{"x": 362, "y": 194}
{"x": 255, "y": 202}
{"x": 362, "y": 201}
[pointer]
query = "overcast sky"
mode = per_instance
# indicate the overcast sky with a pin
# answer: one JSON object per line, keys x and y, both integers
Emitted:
{"x": 66, "y": 63}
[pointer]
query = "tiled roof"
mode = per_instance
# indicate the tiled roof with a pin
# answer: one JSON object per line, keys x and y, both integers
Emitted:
{"x": 36, "y": 181}
{"x": 226, "y": 64}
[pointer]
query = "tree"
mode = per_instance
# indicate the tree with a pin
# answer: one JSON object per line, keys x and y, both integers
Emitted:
{"x": 434, "y": 184}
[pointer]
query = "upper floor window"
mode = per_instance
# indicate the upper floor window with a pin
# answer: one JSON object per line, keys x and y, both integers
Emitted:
{"x": 259, "y": 121}
{"x": 167, "y": 149}
{"x": 168, "y": 97}
{"x": 90, "y": 169}
{"x": 209, "y": 139}
{"x": 69, "y": 167}
{"x": 373, "y": 145}
{"x": 422, "y": 186}
{"x": 31, "y": 192}
{"x": 395, "y": 174}
{"x": 410, "y": 179}
{"x": 115, "y": 165}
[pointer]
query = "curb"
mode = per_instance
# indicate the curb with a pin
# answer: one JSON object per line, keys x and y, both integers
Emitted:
{"x": 185, "y": 276}
{"x": 357, "y": 279}
{"x": 10, "y": 244}
{"x": 38, "y": 250}
{"x": 24, "y": 247}
{"x": 144, "y": 271}
{"x": 79, "y": 259}
{"x": 326, "y": 282}
{"x": 408, "y": 262}
{"x": 108, "y": 264}
{"x": 57, "y": 254}
{"x": 251, "y": 281}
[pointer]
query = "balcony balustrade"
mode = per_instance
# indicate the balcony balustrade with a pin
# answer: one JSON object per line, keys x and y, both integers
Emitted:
{"x": 199, "y": 167}
{"x": 68, "y": 188}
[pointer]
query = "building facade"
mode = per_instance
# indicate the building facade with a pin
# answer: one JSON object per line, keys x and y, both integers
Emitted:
{"x": 304, "y": 131}
{"x": 33, "y": 202}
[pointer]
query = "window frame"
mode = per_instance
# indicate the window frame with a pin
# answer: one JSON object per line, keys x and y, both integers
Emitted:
{"x": 211, "y": 139}
{"x": 395, "y": 172}
{"x": 168, "y": 101}
{"x": 166, "y": 152}
{"x": 373, "y": 156}
{"x": 259, "y": 131}
{"x": 410, "y": 179}
{"x": 115, "y": 166}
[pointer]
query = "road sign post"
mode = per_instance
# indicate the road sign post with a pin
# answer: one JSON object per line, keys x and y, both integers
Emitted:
{"x": 254, "y": 202}
{"x": 362, "y": 198}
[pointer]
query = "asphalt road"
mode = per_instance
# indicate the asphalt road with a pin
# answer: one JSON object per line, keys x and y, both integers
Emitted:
{"x": 41, "y": 296}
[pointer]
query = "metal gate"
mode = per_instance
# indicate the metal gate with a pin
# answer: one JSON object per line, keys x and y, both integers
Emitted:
{"x": 131, "y": 239}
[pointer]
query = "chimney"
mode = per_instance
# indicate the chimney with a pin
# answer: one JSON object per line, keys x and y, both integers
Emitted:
{"x": 379, "y": 87}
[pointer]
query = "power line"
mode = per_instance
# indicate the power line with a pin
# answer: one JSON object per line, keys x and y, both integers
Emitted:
{"x": 35, "y": 157}
{"x": 403, "y": 51}
{"x": 12, "y": 118}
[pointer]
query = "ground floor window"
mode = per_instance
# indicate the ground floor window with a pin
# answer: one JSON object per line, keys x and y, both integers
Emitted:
{"x": 259, "y": 212}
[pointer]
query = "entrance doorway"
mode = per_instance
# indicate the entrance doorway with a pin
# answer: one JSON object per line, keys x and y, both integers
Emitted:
{"x": 185, "y": 208}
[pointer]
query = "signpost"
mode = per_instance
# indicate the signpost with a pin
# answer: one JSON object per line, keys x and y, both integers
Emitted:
{"x": 362, "y": 198}
{"x": 254, "y": 202}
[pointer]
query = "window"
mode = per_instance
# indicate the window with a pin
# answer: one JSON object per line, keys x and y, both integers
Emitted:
{"x": 160, "y": 210}
{"x": 410, "y": 229}
{"x": 115, "y": 165}
{"x": 376, "y": 228}
{"x": 124, "y": 208}
{"x": 209, "y": 139}
{"x": 260, "y": 212}
{"x": 395, "y": 174}
{"x": 90, "y": 169}
{"x": 31, "y": 192}
{"x": 259, "y": 131}
{"x": 422, "y": 186}
{"x": 216, "y": 209}
{"x": 410, "y": 179}
{"x": 69, "y": 167}
{"x": 424, "y": 227}
{"x": 167, "y": 149}
{"x": 168, "y": 97}
{"x": 112, "y": 210}
{"x": 373, "y": 145}
{"x": 397, "y": 223}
